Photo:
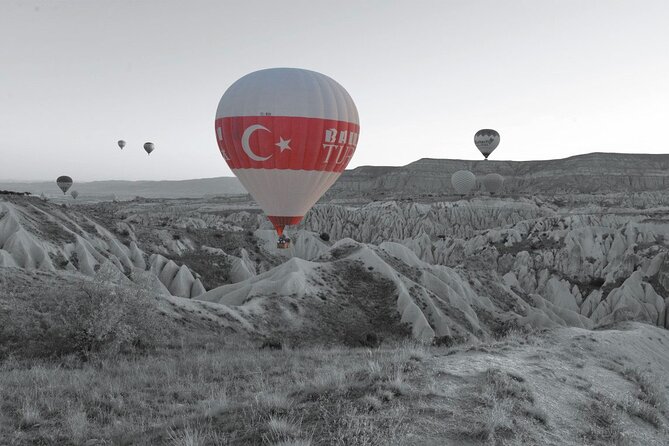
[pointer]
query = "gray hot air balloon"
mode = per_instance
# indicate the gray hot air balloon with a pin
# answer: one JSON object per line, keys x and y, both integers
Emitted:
{"x": 74, "y": 194}
{"x": 463, "y": 181}
{"x": 493, "y": 183}
{"x": 486, "y": 141}
{"x": 121, "y": 144}
{"x": 65, "y": 183}
{"x": 148, "y": 146}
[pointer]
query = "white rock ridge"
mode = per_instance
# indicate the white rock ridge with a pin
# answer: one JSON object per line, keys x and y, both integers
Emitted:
{"x": 35, "y": 235}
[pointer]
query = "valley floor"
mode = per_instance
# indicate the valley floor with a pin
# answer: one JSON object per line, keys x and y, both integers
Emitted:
{"x": 564, "y": 386}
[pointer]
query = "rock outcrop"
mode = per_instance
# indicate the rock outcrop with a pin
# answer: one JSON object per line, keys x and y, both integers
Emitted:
{"x": 36, "y": 235}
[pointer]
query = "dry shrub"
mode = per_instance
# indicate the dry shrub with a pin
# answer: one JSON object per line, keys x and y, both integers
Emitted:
{"x": 91, "y": 317}
{"x": 29, "y": 414}
{"x": 649, "y": 391}
{"x": 500, "y": 409}
{"x": 603, "y": 425}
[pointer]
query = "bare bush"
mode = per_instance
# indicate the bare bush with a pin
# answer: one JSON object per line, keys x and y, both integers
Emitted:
{"x": 604, "y": 425}
{"x": 92, "y": 317}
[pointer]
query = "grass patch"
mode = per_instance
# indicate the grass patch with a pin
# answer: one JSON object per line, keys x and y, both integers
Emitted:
{"x": 193, "y": 396}
{"x": 499, "y": 408}
{"x": 28, "y": 414}
{"x": 648, "y": 390}
{"x": 604, "y": 426}
{"x": 649, "y": 403}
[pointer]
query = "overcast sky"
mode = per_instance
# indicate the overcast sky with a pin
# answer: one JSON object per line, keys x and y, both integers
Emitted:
{"x": 554, "y": 77}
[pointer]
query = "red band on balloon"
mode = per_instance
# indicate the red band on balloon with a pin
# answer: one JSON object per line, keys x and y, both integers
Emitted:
{"x": 285, "y": 142}
{"x": 281, "y": 222}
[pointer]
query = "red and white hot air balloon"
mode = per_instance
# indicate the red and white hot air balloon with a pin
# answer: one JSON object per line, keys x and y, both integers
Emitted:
{"x": 287, "y": 134}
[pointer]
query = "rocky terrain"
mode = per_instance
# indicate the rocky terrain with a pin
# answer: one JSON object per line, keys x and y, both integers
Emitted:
{"x": 465, "y": 269}
{"x": 568, "y": 292}
{"x": 590, "y": 174}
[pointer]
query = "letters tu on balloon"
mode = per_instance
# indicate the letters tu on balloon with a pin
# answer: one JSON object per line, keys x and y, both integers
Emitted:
{"x": 275, "y": 142}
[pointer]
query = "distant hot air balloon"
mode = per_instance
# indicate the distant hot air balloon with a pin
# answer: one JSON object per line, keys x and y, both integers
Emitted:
{"x": 463, "y": 181}
{"x": 74, "y": 194}
{"x": 486, "y": 140}
{"x": 64, "y": 182}
{"x": 493, "y": 182}
{"x": 121, "y": 144}
{"x": 148, "y": 146}
{"x": 287, "y": 134}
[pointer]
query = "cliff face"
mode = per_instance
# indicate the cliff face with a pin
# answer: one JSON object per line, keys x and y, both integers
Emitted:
{"x": 590, "y": 173}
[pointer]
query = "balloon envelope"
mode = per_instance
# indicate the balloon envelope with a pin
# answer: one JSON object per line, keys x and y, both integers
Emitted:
{"x": 74, "y": 194}
{"x": 121, "y": 144}
{"x": 148, "y": 146}
{"x": 287, "y": 134}
{"x": 463, "y": 181}
{"x": 64, "y": 183}
{"x": 493, "y": 182}
{"x": 486, "y": 141}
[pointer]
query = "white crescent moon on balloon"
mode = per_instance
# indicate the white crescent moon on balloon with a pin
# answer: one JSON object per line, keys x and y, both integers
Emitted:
{"x": 245, "y": 142}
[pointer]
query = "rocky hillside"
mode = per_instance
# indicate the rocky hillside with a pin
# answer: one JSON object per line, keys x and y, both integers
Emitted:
{"x": 37, "y": 235}
{"x": 604, "y": 266}
{"x": 589, "y": 274}
{"x": 590, "y": 173}
{"x": 593, "y": 173}
{"x": 442, "y": 270}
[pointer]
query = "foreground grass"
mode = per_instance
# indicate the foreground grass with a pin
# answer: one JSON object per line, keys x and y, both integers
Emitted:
{"x": 518, "y": 390}
{"x": 198, "y": 396}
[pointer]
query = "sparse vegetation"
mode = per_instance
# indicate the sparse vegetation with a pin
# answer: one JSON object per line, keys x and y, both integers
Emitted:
{"x": 188, "y": 391}
{"x": 269, "y": 397}
{"x": 213, "y": 270}
{"x": 88, "y": 362}
{"x": 648, "y": 390}
{"x": 500, "y": 407}
{"x": 88, "y": 318}
{"x": 604, "y": 425}
{"x": 649, "y": 403}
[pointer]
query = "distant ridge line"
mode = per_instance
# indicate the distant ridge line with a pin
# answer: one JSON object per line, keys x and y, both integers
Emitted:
{"x": 598, "y": 172}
